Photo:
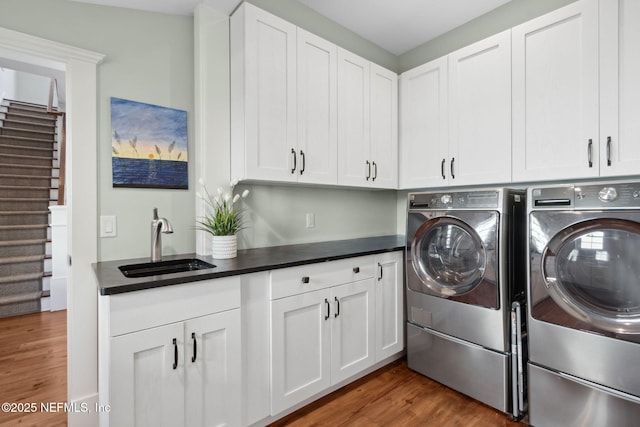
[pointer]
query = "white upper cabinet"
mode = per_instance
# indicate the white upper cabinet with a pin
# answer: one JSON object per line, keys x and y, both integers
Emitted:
{"x": 424, "y": 134}
{"x": 456, "y": 117}
{"x": 263, "y": 101}
{"x": 285, "y": 123}
{"x": 555, "y": 95}
{"x": 367, "y": 123}
{"x": 480, "y": 112}
{"x": 317, "y": 109}
{"x": 619, "y": 87}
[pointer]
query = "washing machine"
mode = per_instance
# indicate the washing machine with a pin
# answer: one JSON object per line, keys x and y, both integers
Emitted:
{"x": 584, "y": 304}
{"x": 465, "y": 280}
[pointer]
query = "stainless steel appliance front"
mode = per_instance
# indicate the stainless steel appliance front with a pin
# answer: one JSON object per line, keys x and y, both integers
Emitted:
{"x": 584, "y": 303}
{"x": 460, "y": 287}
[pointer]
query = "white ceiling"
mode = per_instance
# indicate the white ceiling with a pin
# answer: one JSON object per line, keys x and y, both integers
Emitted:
{"x": 396, "y": 26}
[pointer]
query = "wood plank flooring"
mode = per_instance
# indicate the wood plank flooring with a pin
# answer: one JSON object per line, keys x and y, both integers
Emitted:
{"x": 33, "y": 367}
{"x": 396, "y": 396}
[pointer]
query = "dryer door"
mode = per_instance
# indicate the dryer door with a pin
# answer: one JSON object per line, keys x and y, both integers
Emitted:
{"x": 591, "y": 270}
{"x": 453, "y": 255}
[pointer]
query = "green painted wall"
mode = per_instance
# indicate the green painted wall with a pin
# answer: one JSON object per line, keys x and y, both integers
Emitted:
{"x": 506, "y": 16}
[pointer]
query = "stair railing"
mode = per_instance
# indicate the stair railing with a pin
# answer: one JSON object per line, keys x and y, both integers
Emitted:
{"x": 62, "y": 149}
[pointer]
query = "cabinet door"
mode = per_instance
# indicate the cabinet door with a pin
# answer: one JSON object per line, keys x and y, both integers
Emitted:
{"x": 147, "y": 389}
{"x": 300, "y": 348}
{"x": 424, "y": 125}
{"x": 270, "y": 96}
{"x": 384, "y": 127}
{"x": 480, "y": 112}
{"x": 619, "y": 87}
{"x": 212, "y": 370}
{"x": 389, "y": 305}
{"x": 555, "y": 94}
{"x": 352, "y": 338}
{"x": 317, "y": 109}
{"x": 354, "y": 164}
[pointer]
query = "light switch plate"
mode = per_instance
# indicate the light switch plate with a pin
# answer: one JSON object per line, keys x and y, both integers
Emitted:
{"x": 108, "y": 226}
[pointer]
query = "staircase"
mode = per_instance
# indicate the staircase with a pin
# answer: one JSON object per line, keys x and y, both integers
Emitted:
{"x": 28, "y": 185}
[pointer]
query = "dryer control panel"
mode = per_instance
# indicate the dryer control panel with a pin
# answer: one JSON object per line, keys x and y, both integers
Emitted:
{"x": 618, "y": 195}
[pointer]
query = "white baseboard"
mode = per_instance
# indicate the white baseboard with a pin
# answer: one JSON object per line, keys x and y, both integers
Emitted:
{"x": 84, "y": 413}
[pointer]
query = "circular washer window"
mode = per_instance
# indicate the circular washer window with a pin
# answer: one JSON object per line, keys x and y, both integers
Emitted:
{"x": 592, "y": 271}
{"x": 448, "y": 256}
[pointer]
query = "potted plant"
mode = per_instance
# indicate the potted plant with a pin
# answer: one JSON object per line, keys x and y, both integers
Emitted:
{"x": 222, "y": 219}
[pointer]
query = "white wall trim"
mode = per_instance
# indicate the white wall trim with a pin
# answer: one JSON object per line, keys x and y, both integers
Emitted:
{"x": 81, "y": 78}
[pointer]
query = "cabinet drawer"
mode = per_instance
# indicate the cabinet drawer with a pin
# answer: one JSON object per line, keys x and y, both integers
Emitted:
{"x": 312, "y": 277}
{"x": 135, "y": 311}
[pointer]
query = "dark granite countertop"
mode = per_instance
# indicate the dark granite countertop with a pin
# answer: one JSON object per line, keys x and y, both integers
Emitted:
{"x": 112, "y": 281}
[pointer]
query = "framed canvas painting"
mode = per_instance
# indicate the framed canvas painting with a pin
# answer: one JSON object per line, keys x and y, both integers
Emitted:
{"x": 149, "y": 145}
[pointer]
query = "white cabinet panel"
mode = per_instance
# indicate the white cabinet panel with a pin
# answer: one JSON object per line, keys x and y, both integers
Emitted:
{"x": 383, "y": 132}
{"x": 317, "y": 109}
{"x": 263, "y": 102}
{"x": 619, "y": 87}
{"x": 480, "y": 112}
{"x": 147, "y": 389}
{"x": 389, "y": 305}
{"x": 424, "y": 125}
{"x": 212, "y": 361}
{"x": 301, "y": 348}
{"x": 353, "y": 329}
{"x": 555, "y": 94}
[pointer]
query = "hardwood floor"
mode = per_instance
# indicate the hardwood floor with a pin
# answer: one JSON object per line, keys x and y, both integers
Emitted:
{"x": 396, "y": 396}
{"x": 33, "y": 368}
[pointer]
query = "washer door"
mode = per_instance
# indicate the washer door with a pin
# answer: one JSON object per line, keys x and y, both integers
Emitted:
{"x": 455, "y": 259}
{"x": 592, "y": 271}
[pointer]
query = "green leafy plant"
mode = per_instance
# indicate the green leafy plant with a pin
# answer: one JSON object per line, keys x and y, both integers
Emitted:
{"x": 221, "y": 216}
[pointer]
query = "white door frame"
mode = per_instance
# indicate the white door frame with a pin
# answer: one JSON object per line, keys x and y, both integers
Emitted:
{"x": 80, "y": 68}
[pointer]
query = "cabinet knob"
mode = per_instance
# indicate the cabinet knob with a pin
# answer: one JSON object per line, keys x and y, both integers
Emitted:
{"x": 356, "y": 270}
{"x": 305, "y": 279}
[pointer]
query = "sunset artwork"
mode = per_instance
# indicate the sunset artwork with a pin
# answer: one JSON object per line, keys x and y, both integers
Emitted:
{"x": 148, "y": 145}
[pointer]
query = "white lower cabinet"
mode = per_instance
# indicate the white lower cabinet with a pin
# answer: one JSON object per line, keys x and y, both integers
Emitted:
{"x": 183, "y": 372}
{"x": 332, "y": 321}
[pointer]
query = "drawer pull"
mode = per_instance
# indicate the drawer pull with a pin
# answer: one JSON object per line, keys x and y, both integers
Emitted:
{"x": 175, "y": 353}
{"x": 195, "y": 347}
{"x": 326, "y": 301}
{"x": 356, "y": 270}
{"x": 305, "y": 279}
{"x": 338, "y": 307}
{"x": 380, "y": 269}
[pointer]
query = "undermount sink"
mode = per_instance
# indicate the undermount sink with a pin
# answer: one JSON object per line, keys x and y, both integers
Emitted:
{"x": 164, "y": 267}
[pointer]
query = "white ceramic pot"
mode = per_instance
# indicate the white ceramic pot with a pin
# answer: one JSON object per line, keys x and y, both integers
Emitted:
{"x": 224, "y": 247}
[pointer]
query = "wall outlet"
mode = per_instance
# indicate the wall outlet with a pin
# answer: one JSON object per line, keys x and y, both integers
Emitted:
{"x": 311, "y": 220}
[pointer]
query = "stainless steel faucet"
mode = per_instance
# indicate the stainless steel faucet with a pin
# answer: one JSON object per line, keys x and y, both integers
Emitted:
{"x": 158, "y": 225}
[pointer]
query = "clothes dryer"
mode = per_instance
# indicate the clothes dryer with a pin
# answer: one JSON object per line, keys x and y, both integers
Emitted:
{"x": 465, "y": 268}
{"x": 584, "y": 304}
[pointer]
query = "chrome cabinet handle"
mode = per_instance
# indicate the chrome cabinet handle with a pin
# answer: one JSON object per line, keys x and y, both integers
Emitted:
{"x": 442, "y": 169}
{"x": 368, "y": 163}
{"x": 375, "y": 171}
{"x": 338, "y": 307}
{"x": 326, "y": 301}
{"x": 453, "y": 175}
{"x": 293, "y": 170}
{"x": 175, "y": 353}
{"x": 304, "y": 162}
{"x": 195, "y": 347}
{"x": 608, "y": 151}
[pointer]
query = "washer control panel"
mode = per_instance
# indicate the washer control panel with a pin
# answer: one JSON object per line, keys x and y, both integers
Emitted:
{"x": 455, "y": 200}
